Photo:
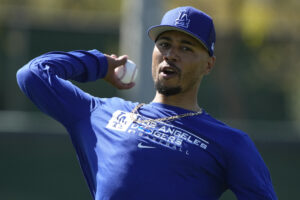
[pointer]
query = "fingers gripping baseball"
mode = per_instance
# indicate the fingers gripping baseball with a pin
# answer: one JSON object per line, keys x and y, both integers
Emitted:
{"x": 111, "y": 76}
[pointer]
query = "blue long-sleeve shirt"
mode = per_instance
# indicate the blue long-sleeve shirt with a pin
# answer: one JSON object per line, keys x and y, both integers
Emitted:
{"x": 194, "y": 157}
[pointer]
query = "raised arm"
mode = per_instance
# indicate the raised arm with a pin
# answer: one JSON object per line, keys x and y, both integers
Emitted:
{"x": 45, "y": 81}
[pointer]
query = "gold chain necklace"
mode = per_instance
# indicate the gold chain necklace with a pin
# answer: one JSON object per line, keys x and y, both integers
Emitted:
{"x": 171, "y": 118}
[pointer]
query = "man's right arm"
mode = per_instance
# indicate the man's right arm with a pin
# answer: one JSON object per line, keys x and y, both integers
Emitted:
{"x": 44, "y": 80}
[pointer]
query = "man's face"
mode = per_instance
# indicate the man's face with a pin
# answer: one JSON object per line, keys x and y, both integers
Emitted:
{"x": 179, "y": 63}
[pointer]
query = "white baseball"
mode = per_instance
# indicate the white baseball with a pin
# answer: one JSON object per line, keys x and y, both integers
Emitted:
{"x": 127, "y": 73}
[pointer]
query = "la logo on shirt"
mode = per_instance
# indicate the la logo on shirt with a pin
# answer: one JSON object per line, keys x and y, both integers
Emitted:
{"x": 120, "y": 120}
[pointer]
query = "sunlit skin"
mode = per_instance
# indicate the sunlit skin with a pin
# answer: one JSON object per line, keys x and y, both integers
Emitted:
{"x": 174, "y": 49}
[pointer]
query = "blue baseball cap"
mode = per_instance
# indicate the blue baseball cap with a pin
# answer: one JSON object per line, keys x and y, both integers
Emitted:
{"x": 191, "y": 21}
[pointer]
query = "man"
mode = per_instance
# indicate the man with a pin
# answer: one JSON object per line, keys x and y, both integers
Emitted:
{"x": 167, "y": 149}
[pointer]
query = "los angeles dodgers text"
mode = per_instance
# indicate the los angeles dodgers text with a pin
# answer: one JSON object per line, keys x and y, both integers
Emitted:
{"x": 160, "y": 133}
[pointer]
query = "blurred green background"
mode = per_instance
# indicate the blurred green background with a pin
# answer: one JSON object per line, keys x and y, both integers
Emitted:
{"x": 254, "y": 86}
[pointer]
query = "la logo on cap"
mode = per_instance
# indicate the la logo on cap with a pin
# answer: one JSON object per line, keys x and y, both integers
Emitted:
{"x": 182, "y": 19}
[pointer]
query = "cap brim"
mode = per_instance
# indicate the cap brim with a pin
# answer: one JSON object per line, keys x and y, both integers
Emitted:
{"x": 155, "y": 31}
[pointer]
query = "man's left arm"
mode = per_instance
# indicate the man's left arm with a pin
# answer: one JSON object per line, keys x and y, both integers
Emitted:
{"x": 247, "y": 175}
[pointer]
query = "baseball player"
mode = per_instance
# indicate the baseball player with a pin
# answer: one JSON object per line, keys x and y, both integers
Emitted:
{"x": 169, "y": 148}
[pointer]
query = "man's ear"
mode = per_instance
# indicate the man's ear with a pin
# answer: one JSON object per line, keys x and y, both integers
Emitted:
{"x": 210, "y": 64}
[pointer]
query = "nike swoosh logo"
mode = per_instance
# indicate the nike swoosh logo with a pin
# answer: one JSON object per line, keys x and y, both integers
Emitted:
{"x": 142, "y": 146}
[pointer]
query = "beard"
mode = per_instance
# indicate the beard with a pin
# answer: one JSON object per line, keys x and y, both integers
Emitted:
{"x": 167, "y": 91}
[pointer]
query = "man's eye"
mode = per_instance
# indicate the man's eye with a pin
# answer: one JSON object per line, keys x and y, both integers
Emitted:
{"x": 164, "y": 45}
{"x": 186, "y": 49}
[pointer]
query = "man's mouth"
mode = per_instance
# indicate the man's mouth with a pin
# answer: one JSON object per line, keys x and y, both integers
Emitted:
{"x": 169, "y": 71}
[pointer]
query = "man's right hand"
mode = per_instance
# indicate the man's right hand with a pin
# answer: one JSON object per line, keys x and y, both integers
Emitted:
{"x": 111, "y": 77}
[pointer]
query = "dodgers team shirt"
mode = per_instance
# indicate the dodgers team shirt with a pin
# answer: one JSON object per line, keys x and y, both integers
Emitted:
{"x": 195, "y": 157}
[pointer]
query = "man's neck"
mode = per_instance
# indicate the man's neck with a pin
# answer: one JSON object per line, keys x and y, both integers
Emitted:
{"x": 180, "y": 100}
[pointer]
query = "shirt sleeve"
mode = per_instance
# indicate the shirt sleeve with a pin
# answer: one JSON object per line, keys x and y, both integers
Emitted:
{"x": 247, "y": 174}
{"x": 45, "y": 81}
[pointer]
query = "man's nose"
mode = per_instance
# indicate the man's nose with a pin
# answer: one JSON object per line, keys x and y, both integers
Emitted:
{"x": 171, "y": 54}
